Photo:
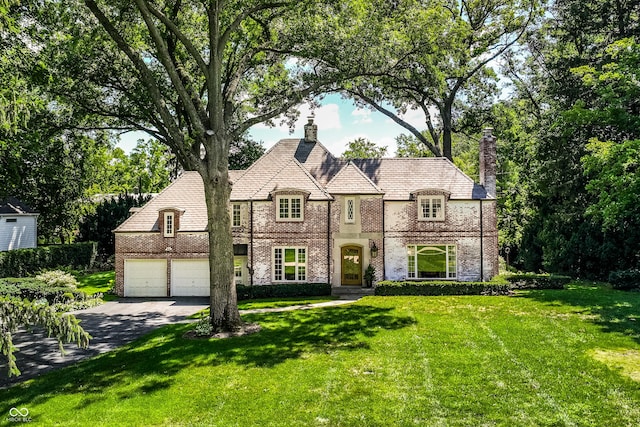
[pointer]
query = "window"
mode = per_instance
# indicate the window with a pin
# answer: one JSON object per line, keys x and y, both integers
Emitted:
{"x": 350, "y": 210}
{"x": 169, "y": 224}
{"x": 431, "y": 262}
{"x": 431, "y": 208}
{"x": 289, "y": 264}
{"x": 238, "y": 269}
{"x": 235, "y": 215}
{"x": 12, "y": 219}
{"x": 289, "y": 208}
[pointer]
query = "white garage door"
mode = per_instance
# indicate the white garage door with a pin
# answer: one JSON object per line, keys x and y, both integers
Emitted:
{"x": 190, "y": 278}
{"x": 145, "y": 278}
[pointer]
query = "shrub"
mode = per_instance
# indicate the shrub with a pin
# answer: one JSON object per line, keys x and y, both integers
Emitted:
{"x": 388, "y": 288}
{"x": 33, "y": 289}
{"x": 283, "y": 290}
{"x": 58, "y": 278}
{"x": 625, "y": 280}
{"x": 203, "y": 327}
{"x": 537, "y": 281}
{"x": 23, "y": 262}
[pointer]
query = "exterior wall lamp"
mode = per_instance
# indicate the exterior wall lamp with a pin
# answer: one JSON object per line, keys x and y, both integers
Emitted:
{"x": 374, "y": 250}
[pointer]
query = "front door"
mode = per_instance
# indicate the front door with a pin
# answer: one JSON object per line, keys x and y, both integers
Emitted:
{"x": 352, "y": 265}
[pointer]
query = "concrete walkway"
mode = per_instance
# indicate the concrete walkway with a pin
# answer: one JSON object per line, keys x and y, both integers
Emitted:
{"x": 112, "y": 325}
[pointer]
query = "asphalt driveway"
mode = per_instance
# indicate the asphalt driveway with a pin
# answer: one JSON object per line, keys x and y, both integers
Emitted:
{"x": 111, "y": 325}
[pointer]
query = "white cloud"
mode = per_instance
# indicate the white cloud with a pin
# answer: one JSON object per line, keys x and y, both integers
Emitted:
{"x": 361, "y": 116}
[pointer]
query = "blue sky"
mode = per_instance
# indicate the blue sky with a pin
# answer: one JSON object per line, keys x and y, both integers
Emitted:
{"x": 339, "y": 121}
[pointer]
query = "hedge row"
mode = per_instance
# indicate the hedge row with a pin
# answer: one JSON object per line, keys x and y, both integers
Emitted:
{"x": 25, "y": 262}
{"x": 283, "y": 290}
{"x": 388, "y": 288}
{"x": 33, "y": 289}
{"x": 625, "y": 280}
{"x": 500, "y": 285}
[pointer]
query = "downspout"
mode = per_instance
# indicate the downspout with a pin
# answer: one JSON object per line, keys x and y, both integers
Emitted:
{"x": 329, "y": 242}
{"x": 481, "y": 245}
{"x": 251, "y": 243}
{"x": 384, "y": 264}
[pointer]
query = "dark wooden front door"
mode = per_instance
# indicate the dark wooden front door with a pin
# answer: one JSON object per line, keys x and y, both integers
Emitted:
{"x": 352, "y": 265}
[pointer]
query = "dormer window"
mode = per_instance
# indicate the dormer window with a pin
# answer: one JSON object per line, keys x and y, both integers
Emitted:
{"x": 431, "y": 208}
{"x": 431, "y": 204}
{"x": 169, "y": 224}
{"x": 169, "y": 221}
{"x": 290, "y": 208}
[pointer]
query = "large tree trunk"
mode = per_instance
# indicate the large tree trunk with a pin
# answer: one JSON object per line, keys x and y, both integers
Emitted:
{"x": 224, "y": 307}
{"x": 447, "y": 129}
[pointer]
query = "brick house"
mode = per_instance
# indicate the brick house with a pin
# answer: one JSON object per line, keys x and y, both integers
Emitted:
{"x": 301, "y": 215}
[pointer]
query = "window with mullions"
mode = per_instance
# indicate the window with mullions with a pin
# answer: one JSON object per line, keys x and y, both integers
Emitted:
{"x": 289, "y": 264}
{"x": 431, "y": 208}
{"x": 431, "y": 262}
{"x": 290, "y": 208}
{"x": 168, "y": 224}
{"x": 349, "y": 210}
{"x": 235, "y": 215}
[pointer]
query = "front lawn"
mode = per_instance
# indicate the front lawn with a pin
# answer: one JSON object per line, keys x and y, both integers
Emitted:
{"x": 551, "y": 357}
{"x": 100, "y": 282}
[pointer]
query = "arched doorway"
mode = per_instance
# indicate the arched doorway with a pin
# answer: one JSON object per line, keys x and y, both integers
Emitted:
{"x": 351, "y": 265}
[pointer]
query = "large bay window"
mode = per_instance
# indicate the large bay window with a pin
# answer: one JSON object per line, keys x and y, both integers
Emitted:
{"x": 289, "y": 264}
{"x": 431, "y": 262}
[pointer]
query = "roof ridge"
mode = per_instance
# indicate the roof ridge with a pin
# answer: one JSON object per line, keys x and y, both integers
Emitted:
{"x": 313, "y": 180}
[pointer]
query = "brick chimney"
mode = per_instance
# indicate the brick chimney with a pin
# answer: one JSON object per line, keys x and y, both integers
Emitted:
{"x": 488, "y": 167}
{"x": 310, "y": 131}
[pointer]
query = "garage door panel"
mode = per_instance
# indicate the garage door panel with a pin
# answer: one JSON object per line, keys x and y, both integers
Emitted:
{"x": 190, "y": 277}
{"x": 145, "y": 278}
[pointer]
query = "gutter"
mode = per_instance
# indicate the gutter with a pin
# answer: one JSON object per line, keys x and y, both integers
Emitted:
{"x": 481, "y": 244}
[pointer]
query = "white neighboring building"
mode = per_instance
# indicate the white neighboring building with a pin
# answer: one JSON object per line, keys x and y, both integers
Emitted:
{"x": 18, "y": 225}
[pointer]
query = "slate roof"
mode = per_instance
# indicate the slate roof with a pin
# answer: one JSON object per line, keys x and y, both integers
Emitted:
{"x": 310, "y": 167}
{"x": 187, "y": 192}
{"x": 399, "y": 177}
{"x": 351, "y": 180}
{"x": 13, "y": 206}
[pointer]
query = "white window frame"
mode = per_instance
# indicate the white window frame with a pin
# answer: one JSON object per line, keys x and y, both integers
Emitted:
{"x": 349, "y": 219}
{"x": 451, "y": 261}
{"x": 300, "y": 264}
{"x": 236, "y": 214}
{"x": 432, "y": 212}
{"x": 169, "y": 224}
{"x": 287, "y": 214}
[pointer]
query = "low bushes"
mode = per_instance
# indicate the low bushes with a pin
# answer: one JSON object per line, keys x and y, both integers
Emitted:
{"x": 25, "y": 262}
{"x": 500, "y": 285}
{"x": 388, "y": 288}
{"x": 283, "y": 290}
{"x": 33, "y": 289}
{"x": 625, "y": 280}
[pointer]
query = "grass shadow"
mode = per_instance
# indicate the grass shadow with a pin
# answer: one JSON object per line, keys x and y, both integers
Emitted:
{"x": 614, "y": 311}
{"x": 151, "y": 363}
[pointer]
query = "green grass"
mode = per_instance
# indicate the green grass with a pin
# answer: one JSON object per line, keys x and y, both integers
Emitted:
{"x": 93, "y": 283}
{"x": 255, "y": 304}
{"x": 542, "y": 358}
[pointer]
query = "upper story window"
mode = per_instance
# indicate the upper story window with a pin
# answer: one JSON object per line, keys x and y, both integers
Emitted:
{"x": 169, "y": 224}
{"x": 349, "y": 210}
{"x": 235, "y": 215}
{"x": 431, "y": 208}
{"x": 290, "y": 208}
